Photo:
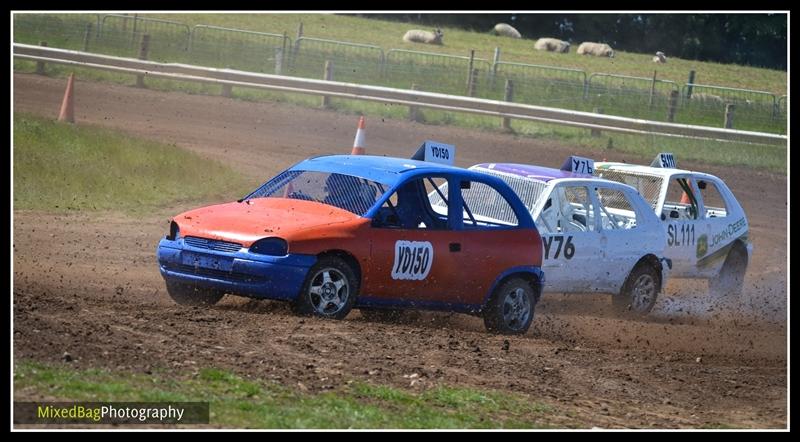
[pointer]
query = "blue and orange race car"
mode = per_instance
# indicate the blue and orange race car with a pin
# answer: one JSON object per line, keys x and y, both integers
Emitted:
{"x": 336, "y": 232}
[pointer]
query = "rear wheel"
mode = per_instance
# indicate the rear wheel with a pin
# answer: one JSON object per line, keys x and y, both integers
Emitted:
{"x": 511, "y": 307}
{"x": 189, "y": 294}
{"x": 330, "y": 289}
{"x": 730, "y": 280}
{"x": 639, "y": 292}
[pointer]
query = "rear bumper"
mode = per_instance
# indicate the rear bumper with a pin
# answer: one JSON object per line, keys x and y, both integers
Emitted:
{"x": 240, "y": 273}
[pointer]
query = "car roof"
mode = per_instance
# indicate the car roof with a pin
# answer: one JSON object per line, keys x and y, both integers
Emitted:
{"x": 540, "y": 173}
{"x": 636, "y": 168}
{"x": 385, "y": 170}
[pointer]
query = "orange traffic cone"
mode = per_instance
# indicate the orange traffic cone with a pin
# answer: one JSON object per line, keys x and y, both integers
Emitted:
{"x": 358, "y": 143}
{"x": 68, "y": 104}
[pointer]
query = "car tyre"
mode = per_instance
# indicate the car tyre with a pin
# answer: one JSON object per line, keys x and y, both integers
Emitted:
{"x": 511, "y": 307}
{"x": 190, "y": 294}
{"x": 330, "y": 289}
{"x": 639, "y": 292}
{"x": 730, "y": 280}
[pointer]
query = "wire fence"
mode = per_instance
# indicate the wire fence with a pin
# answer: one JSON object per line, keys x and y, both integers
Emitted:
{"x": 275, "y": 53}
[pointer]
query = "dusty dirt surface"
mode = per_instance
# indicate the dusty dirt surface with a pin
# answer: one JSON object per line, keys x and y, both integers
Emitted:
{"x": 88, "y": 284}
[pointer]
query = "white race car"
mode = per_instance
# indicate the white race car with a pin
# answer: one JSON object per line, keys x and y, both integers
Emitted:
{"x": 706, "y": 227}
{"x": 599, "y": 235}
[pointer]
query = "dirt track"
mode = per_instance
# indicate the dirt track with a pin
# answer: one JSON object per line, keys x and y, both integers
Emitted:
{"x": 89, "y": 285}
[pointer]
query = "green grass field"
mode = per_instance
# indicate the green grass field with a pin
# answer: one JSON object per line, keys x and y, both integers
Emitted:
{"x": 60, "y": 167}
{"x": 388, "y": 35}
{"x": 238, "y": 402}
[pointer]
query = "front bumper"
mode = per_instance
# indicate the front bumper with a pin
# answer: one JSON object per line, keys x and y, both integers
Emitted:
{"x": 241, "y": 273}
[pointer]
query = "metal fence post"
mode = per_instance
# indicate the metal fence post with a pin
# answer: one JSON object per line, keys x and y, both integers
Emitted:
{"x": 328, "y": 76}
{"x": 652, "y": 90}
{"x": 40, "y": 64}
{"x": 508, "y": 96}
{"x": 596, "y": 132}
{"x": 729, "y": 108}
{"x": 469, "y": 71}
{"x": 473, "y": 83}
{"x": 227, "y": 90}
{"x": 672, "y": 106}
{"x": 143, "y": 50}
{"x": 87, "y": 36}
{"x": 413, "y": 111}
{"x": 689, "y": 84}
{"x": 493, "y": 71}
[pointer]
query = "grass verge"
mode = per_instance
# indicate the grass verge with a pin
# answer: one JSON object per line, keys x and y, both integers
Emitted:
{"x": 61, "y": 167}
{"x": 237, "y": 402}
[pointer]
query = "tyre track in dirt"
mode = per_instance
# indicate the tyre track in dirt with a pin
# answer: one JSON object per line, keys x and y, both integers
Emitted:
{"x": 88, "y": 284}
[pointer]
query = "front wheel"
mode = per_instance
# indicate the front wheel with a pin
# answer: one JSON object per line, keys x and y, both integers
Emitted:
{"x": 639, "y": 292}
{"x": 189, "y": 294}
{"x": 330, "y": 289}
{"x": 511, "y": 307}
{"x": 730, "y": 280}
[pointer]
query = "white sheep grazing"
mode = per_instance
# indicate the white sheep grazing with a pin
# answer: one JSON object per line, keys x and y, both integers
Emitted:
{"x": 660, "y": 57}
{"x": 506, "y": 30}
{"x": 707, "y": 99}
{"x": 596, "y": 49}
{"x": 552, "y": 45}
{"x": 417, "y": 36}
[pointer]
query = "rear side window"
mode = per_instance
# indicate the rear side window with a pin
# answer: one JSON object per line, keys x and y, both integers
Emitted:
{"x": 616, "y": 210}
{"x": 681, "y": 202}
{"x": 484, "y": 206}
{"x": 568, "y": 209}
{"x": 712, "y": 200}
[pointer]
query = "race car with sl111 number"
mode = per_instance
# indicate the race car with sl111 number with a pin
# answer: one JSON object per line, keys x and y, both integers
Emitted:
{"x": 337, "y": 232}
{"x": 707, "y": 229}
{"x": 599, "y": 235}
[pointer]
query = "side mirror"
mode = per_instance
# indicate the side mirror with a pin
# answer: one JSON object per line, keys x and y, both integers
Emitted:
{"x": 674, "y": 214}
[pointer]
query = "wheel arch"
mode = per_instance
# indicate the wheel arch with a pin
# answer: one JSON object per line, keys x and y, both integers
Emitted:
{"x": 348, "y": 257}
{"x": 533, "y": 275}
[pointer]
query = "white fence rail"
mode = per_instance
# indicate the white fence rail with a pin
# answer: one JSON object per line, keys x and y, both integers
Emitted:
{"x": 388, "y": 95}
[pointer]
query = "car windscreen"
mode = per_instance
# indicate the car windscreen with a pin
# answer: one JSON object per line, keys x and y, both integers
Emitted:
{"x": 348, "y": 192}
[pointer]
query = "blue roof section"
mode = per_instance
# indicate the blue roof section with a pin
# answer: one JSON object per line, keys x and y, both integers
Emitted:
{"x": 535, "y": 172}
{"x": 385, "y": 170}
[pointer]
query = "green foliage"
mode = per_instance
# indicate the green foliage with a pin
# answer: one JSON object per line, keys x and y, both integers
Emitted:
{"x": 60, "y": 166}
{"x": 238, "y": 402}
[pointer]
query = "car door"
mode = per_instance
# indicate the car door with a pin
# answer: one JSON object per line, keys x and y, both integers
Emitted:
{"x": 490, "y": 240}
{"x": 568, "y": 225}
{"x": 687, "y": 228}
{"x": 411, "y": 252}
{"x": 724, "y": 223}
{"x": 623, "y": 240}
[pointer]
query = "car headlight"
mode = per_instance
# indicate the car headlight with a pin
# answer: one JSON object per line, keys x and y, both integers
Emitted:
{"x": 174, "y": 231}
{"x": 270, "y": 246}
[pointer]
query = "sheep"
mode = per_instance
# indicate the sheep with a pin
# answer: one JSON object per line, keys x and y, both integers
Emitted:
{"x": 506, "y": 30}
{"x": 596, "y": 49}
{"x": 552, "y": 45}
{"x": 417, "y": 36}
{"x": 660, "y": 57}
{"x": 707, "y": 99}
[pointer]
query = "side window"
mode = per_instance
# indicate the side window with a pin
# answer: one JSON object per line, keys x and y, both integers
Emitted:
{"x": 681, "y": 202}
{"x": 616, "y": 210}
{"x": 485, "y": 207}
{"x": 713, "y": 201}
{"x": 417, "y": 204}
{"x": 568, "y": 209}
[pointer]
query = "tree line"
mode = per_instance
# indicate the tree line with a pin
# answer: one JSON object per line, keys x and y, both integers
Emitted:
{"x": 748, "y": 39}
